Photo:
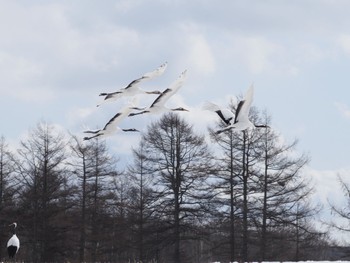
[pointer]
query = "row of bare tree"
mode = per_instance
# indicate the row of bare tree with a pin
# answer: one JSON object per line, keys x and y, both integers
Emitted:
{"x": 242, "y": 197}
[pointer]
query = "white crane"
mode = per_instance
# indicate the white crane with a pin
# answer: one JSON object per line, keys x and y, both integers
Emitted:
{"x": 133, "y": 87}
{"x": 112, "y": 125}
{"x": 158, "y": 106}
{"x": 13, "y": 243}
{"x": 239, "y": 121}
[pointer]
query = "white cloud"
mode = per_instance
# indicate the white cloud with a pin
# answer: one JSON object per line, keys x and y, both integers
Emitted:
{"x": 257, "y": 54}
{"x": 80, "y": 113}
{"x": 328, "y": 191}
{"x": 199, "y": 54}
{"x": 343, "y": 109}
{"x": 124, "y": 6}
{"x": 18, "y": 67}
{"x": 327, "y": 187}
{"x": 344, "y": 43}
{"x": 22, "y": 78}
{"x": 59, "y": 41}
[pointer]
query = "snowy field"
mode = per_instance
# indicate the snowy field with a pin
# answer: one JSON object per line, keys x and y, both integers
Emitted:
{"x": 310, "y": 261}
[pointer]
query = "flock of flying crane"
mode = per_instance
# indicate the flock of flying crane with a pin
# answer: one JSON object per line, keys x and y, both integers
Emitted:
{"x": 238, "y": 121}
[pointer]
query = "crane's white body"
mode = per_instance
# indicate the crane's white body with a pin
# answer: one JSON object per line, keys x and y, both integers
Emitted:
{"x": 158, "y": 105}
{"x": 13, "y": 243}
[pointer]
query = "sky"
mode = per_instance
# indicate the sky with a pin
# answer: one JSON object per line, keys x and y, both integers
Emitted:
{"x": 57, "y": 56}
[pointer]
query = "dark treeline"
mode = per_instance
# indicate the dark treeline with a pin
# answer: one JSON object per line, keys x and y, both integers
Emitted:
{"x": 244, "y": 198}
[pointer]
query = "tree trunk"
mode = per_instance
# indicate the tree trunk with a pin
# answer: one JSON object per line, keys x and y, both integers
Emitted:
{"x": 83, "y": 217}
{"x": 232, "y": 208}
{"x": 245, "y": 202}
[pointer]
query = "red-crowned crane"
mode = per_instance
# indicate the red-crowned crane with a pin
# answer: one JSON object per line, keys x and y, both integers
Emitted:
{"x": 239, "y": 121}
{"x": 13, "y": 243}
{"x": 112, "y": 125}
{"x": 133, "y": 87}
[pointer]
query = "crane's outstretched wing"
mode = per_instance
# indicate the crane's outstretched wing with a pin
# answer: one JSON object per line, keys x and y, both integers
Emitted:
{"x": 225, "y": 114}
{"x": 157, "y": 72}
{"x": 173, "y": 88}
{"x": 243, "y": 108}
{"x": 121, "y": 91}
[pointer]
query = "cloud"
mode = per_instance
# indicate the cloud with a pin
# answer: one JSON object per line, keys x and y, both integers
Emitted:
{"x": 343, "y": 109}
{"x": 199, "y": 54}
{"x": 257, "y": 54}
{"x": 260, "y": 54}
{"x": 124, "y": 6}
{"x": 80, "y": 113}
{"x": 47, "y": 45}
{"x": 343, "y": 42}
{"x": 21, "y": 78}
{"x": 16, "y": 75}
{"x": 327, "y": 187}
{"x": 327, "y": 190}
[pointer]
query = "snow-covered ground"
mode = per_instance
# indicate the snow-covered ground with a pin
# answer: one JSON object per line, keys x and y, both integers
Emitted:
{"x": 309, "y": 261}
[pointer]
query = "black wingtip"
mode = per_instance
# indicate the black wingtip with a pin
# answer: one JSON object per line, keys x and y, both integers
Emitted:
{"x": 137, "y": 113}
{"x": 130, "y": 130}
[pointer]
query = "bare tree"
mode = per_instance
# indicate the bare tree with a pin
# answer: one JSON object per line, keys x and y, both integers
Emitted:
{"x": 226, "y": 184}
{"x": 174, "y": 203}
{"x": 101, "y": 168}
{"x": 8, "y": 187}
{"x": 122, "y": 223}
{"x": 341, "y": 213}
{"x": 236, "y": 182}
{"x": 140, "y": 173}
{"x": 79, "y": 165}
{"x": 261, "y": 182}
{"x": 182, "y": 163}
{"x": 284, "y": 191}
{"x": 41, "y": 168}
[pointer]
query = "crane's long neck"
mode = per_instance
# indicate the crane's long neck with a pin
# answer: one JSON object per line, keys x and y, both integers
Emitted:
{"x": 14, "y": 229}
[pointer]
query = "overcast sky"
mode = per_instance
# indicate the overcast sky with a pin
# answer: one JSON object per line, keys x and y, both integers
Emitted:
{"x": 57, "y": 56}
